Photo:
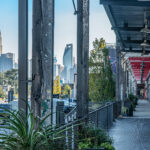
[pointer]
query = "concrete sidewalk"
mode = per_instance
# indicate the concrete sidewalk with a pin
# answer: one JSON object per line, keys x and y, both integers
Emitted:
{"x": 133, "y": 133}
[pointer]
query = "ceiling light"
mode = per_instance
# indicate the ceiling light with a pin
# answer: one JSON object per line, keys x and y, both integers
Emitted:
{"x": 144, "y": 0}
{"x": 145, "y": 44}
{"x": 145, "y": 30}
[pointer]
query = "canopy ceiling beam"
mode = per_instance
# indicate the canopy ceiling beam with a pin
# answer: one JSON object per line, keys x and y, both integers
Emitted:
{"x": 135, "y": 41}
{"x": 134, "y": 29}
{"x": 126, "y": 3}
{"x": 135, "y": 51}
{"x": 113, "y": 22}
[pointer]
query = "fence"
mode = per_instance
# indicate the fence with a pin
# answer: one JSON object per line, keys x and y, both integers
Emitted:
{"x": 103, "y": 117}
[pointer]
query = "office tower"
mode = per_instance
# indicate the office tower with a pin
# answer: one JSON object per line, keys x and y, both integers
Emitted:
{"x": 7, "y": 62}
{"x": 68, "y": 56}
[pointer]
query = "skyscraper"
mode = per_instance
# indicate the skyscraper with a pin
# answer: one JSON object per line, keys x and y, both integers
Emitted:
{"x": 68, "y": 72}
{"x": 68, "y": 56}
{"x": 1, "y": 48}
{"x": 7, "y": 62}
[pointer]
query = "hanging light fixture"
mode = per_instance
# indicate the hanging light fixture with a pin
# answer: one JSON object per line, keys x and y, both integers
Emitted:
{"x": 146, "y": 30}
{"x": 145, "y": 44}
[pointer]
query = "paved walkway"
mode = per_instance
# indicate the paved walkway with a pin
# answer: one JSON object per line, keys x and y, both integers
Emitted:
{"x": 133, "y": 133}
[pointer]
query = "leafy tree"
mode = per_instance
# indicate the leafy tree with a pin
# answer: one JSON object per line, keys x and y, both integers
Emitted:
{"x": 2, "y": 95}
{"x": 1, "y": 78}
{"x": 11, "y": 78}
{"x": 67, "y": 90}
{"x": 57, "y": 86}
{"x": 101, "y": 82}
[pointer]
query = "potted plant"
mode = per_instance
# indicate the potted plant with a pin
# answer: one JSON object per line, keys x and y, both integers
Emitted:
{"x": 125, "y": 111}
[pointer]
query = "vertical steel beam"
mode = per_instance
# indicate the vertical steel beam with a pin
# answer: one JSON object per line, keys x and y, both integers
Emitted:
{"x": 117, "y": 71}
{"x": 82, "y": 58}
{"x": 23, "y": 55}
{"x": 42, "y": 54}
{"x": 124, "y": 81}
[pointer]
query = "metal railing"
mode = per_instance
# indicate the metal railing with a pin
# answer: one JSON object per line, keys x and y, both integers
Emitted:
{"x": 102, "y": 117}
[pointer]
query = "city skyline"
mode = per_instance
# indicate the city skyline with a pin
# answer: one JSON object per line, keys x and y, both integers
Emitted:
{"x": 65, "y": 26}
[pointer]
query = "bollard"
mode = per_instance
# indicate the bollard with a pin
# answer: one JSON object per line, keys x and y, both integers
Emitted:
{"x": 60, "y": 116}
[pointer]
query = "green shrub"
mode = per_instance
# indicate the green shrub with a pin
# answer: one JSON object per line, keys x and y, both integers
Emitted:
{"x": 133, "y": 98}
{"x": 22, "y": 133}
{"x": 107, "y": 146}
{"x": 125, "y": 111}
{"x": 90, "y": 137}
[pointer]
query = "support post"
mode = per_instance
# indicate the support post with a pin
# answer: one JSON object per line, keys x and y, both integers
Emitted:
{"x": 23, "y": 55}
{"x": 82, "y": 58}
{"x": 118, "y": 72}
{"x": 124, "y": 81}
{"x": 42, "y": 56}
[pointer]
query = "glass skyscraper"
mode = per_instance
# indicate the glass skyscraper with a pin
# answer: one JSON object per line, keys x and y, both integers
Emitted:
{"x": 68, "y": 56}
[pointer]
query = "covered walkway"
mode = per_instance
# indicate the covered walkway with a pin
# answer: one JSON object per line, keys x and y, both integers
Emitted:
{"x": 132, "y": 133}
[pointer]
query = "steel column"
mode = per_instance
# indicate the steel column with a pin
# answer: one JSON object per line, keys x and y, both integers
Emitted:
{"x": 23, "y": 55}
{"x": 82, "y": 58}
{"x": 42, "y": 55}
{"x": 118, "y": 72}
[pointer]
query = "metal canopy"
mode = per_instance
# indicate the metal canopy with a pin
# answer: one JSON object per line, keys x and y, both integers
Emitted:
{"x": 127, "y": 18}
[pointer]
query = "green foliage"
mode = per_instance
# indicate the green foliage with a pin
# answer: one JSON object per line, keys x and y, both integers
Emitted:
{"x": 10, "y": 77}
{"x": 23, "y": 133}
{"x": 101, "y": 82}
{"x": 133, "y": 99}
{"x": 67, "y": 90}
{"x": 92, "y": 138}
{"x": 2, "y": 95}
{"x": 125, "y": 111}
{"x": 107, "y": 146}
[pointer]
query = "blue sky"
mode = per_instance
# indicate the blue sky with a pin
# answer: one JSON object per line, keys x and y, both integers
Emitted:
{"x": 65, "y": 25}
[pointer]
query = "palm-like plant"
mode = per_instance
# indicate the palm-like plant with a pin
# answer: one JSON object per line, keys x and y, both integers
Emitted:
{"x": 20, "y": 133}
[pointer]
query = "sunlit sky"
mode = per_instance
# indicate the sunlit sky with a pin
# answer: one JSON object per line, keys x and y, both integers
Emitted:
{"x": 65, "y": 26}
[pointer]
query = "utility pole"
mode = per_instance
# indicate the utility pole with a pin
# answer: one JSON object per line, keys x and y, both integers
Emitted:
{"x": 82, "y": 57}
{"x": 42, "y": 55}
{"x": 23, "y": 55}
